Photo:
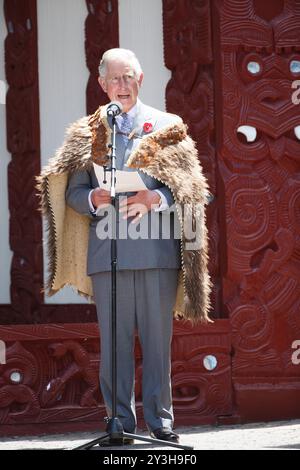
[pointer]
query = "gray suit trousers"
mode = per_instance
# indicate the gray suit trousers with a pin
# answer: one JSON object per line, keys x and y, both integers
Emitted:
{"x": 145, "y": 299}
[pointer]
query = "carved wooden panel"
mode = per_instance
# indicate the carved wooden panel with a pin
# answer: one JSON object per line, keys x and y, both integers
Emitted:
{"x": 259, "y": 168}
{"x": 201, "y": 393}
{"x": 101, "y": 33}
{"x": 51, "y": 377}
{"x": 198, "y": 394}
{"x": 190, "y": 94}
{"x": 23, "y": 141}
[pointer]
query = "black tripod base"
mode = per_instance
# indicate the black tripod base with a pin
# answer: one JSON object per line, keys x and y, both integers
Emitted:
{"x": 115, "y": 436}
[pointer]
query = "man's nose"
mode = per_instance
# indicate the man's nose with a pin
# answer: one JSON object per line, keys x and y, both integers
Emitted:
{"x": 122, "y": 82}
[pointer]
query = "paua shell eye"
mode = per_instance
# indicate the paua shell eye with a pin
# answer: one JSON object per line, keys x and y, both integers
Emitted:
{"x": 253, "y": 67}
{"x": 295, "y": 66}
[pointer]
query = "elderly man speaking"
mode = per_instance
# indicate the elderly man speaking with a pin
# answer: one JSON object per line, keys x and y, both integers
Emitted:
{"x": 156, "y": 276}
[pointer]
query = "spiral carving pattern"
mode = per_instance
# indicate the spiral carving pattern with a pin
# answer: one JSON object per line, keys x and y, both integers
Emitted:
{"x": 251, "y": 213}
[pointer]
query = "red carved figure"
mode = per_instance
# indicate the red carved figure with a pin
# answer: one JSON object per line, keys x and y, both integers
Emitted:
{"x": 259, "y": 166}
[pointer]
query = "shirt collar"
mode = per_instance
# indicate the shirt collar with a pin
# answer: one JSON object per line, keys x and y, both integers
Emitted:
{"x": 132, "y": 112}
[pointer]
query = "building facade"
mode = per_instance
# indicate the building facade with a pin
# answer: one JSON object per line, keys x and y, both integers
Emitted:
{"x": 230, "y": 69}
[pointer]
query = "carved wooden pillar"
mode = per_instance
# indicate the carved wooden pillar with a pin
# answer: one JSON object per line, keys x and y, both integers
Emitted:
{"x": 102, "y": 33}
{"x": 200, "y": 394}
{"x": 190, "y": 94}
{"x": 23, "y": 142}
{"x": 258, "y": 157}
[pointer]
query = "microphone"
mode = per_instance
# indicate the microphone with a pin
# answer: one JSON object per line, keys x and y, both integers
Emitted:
{"x": 114, "y": 109}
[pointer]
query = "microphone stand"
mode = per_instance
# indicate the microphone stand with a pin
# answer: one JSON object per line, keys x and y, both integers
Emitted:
{"x": 114, "y": 431}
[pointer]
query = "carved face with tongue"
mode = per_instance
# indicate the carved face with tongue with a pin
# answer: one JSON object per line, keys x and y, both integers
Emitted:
{"x": 263, "y": 122}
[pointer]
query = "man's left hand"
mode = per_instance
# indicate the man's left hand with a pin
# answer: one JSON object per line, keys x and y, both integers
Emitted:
{"x": 140, "y": 204}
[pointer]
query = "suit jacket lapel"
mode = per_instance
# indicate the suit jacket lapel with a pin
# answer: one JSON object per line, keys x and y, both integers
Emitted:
{"x": 142, "y": 116}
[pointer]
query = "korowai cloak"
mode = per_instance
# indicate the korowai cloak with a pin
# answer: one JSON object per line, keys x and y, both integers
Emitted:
{"x": 169, "y": 155}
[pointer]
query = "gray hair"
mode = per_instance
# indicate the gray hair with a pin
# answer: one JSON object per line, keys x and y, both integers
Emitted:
{"x": 124, "y": 55}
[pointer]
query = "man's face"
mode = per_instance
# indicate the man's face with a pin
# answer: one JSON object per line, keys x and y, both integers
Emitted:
{"x": 121, "y": 84}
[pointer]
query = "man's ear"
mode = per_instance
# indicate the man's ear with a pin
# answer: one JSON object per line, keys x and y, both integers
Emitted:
{"x": 140, "y": 80}
{"x": 102, "y": 83}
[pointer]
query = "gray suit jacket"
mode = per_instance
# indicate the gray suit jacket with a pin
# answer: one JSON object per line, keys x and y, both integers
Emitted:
{"x": 162, "y": 249}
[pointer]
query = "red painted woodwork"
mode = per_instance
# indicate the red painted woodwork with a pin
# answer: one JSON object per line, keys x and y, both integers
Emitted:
{"x": 199, "y": 395}
{"x": 51, "y": 377}
{"x": 23, "y": 142}
{"x": 253, "y": 218}
{"x": 261, "y": 286}
{"x": 190, "y": 94}
{"x": 50, "y": 313}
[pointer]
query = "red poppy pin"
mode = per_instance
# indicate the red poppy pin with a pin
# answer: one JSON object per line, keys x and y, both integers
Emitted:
{"x": 147, "y": 127}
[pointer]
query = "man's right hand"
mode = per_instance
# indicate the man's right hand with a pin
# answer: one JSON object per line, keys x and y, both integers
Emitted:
{"x": 100, "y": 198}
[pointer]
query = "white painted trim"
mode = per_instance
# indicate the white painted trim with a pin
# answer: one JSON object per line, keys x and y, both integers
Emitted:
{"x": 5, "y": 157}
{"x": 141, "y": 30}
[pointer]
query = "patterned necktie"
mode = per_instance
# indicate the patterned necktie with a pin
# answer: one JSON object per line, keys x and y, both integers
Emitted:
{"x": 125, "y": 127}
